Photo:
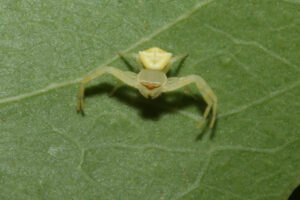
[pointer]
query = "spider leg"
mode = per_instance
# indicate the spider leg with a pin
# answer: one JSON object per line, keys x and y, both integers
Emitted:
{"x": 206, "y": 92}
{"x": 125, "y": 76}
{"x": 173, "y": 60}
{"x": 135, "y": 56}
{"x": 115, "y": 88}
{"x": 189, "y": 92}
{"x": 178, "y": 57}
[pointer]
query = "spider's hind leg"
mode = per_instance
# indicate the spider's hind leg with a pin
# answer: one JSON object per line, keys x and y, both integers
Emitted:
{"x": 189, "y": 92}
{"x": 132, "y": 55}
{"x": 112, "y": 92}
{"x": 175, "y": 59}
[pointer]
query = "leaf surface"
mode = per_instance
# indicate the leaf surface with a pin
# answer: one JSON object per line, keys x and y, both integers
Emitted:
{"x": 128, "y": 147}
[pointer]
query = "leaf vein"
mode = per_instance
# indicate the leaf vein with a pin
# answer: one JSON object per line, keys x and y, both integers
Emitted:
{"x": 142, "y": 148}
{"x": 254, "y": 44}
{"x": 292, "y": 1}
{"x": 198, "y": 180}
{"x": 223, "y": 191}
{"x": 253, "y": 149}
{"x": 261, "y": 100}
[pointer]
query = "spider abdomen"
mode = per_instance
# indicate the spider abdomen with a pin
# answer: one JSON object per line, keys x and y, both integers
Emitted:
{"x": 155, "y": 58}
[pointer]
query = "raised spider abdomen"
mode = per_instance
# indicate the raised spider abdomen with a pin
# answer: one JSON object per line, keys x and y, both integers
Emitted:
{"x": 155, "y": 58}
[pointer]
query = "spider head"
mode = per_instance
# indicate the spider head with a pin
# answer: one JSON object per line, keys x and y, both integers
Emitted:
{"x": 155, "y": 58}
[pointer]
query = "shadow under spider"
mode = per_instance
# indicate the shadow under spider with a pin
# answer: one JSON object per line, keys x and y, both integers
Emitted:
{"x": 152, "y": 109}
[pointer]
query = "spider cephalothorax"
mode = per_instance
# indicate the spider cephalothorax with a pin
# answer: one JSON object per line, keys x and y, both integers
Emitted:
{"x": 151, "y": 81}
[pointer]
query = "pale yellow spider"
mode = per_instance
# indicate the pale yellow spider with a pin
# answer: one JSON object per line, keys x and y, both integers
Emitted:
{"x": 151, "y": 81}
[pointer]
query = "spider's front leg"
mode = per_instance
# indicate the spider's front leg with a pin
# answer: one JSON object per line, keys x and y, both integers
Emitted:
{"x": 206, "y": 92}
{"x": 127, "y": 77}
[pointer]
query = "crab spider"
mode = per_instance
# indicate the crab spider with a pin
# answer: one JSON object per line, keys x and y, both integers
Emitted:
{"x": 151, "y": 81}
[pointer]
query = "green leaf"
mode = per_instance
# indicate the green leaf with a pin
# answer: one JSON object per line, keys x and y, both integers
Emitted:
{"x": 129, "y": 147}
